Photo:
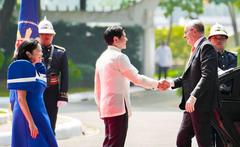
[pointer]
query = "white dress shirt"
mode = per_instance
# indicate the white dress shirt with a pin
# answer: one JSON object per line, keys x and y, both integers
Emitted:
{"x": 113, "y": 74}
{"x": 198, "y": 41}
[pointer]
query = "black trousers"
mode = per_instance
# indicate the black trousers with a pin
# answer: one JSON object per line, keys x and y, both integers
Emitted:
{"x": 115, "y": 130}
{"x": 198, "y": 124}
{"x": 163, "y": 70}
{"x": 50, "y": 99}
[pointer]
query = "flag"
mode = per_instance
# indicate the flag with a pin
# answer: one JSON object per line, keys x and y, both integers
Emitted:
{"x": 27, "y": 28}
{"x": 28, "y": 21}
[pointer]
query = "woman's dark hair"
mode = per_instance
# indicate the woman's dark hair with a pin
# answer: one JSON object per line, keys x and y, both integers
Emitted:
{"x": 112, "y": 31}
{"x": 26, "y": 45}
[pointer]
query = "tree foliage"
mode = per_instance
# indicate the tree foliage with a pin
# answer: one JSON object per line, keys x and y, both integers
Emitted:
{"x": 1, "y": 58}
{"x": 223, "y": 1}
{"x": 231, "y": 5}
{"x": 180, "y": 49}
{"x": 6, "y": 15}
{"x": 192, "y": 7}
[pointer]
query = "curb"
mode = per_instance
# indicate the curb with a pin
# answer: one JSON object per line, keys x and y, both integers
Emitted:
{"x": 5, "y": 138}
{"x": 73, "y": 127}
{"x": 4, "y": 100}
{"x": 4, "y": 116}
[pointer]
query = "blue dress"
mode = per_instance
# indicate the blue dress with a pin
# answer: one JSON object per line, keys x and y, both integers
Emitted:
{"x": 23, "y": 75}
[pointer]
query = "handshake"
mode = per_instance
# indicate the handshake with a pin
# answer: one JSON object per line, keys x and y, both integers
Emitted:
{"x": 190, "y": 103}
{"x": 163, "y": 85}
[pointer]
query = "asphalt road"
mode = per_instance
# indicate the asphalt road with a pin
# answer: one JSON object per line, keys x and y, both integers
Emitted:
{"x": 154, "y": 123}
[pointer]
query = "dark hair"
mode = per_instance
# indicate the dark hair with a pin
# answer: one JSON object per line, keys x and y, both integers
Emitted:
{"x": 26, "y": 45}
{"x": 112, "y": 31}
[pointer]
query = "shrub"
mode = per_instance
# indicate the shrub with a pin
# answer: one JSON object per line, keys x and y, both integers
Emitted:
{"x": 2, "y": 57}
{"x": 75, "y": 75}
{"x": 87, "y": 71}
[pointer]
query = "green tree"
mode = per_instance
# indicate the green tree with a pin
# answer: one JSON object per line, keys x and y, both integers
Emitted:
{"x": 1, "y": 57}
{"x": 193, "y": 8}
{"x": 180, "y": 49}
{"x": 5, "y": 15}
{"x": 231, "y": 5}
{"x": 74, "y": 73}
{"x": 83, "y": 5}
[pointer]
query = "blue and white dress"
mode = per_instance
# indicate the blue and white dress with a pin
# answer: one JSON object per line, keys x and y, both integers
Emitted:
{"x": 23, "y": 75}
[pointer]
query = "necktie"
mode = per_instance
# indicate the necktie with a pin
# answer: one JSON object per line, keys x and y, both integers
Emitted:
{"x": 192, "y": 50}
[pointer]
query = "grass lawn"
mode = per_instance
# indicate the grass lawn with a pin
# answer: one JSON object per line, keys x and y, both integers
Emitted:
{"x": 2, "y": 111}
{"x": 82, "y": 89}
{"x": 173, "y": 72}
{"x": 3, "y": 90}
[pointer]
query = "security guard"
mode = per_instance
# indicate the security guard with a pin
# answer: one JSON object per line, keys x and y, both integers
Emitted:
{"x": 55, "y": 60}
{"x": 226, "y": 60}
{"x": 218, "y": 37}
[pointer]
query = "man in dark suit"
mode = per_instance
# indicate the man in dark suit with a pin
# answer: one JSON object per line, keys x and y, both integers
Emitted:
{"x": 199, "y": 88}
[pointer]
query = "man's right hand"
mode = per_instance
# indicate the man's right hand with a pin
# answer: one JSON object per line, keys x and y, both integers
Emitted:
{"x": 163, "y": 85}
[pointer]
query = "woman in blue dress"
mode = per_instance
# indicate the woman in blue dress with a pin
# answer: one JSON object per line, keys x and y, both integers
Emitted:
{"x": 26, "y": 75}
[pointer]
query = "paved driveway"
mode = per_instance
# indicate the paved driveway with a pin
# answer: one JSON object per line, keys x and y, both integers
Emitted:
{"x": 155, "y": 121}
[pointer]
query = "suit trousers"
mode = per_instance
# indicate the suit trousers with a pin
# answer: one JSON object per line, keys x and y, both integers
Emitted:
{"x": 216, "y": 140}
{"x": 115, "y": 130}
{"x": 198, "y": 124}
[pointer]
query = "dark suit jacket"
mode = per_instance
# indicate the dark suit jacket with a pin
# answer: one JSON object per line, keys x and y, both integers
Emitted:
{"x": 200, "y": 78}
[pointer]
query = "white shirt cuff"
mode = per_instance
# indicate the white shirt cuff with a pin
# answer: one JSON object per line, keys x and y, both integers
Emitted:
{"x": 172, "y": 84}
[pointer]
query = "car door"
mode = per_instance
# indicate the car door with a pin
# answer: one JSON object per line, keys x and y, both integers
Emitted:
{"x": 229, "y": 106}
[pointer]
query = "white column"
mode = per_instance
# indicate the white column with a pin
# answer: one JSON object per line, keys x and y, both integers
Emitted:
{"x": 149, "y": 45}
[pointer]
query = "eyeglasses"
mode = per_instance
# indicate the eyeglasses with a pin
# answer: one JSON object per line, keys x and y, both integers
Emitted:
{"x": 219, "y": 37}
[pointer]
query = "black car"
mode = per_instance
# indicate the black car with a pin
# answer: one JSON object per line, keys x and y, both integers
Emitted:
{"x": 227, "y": 117}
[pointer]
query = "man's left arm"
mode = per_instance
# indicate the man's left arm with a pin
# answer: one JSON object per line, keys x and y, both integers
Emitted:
{"x": 63, "y": 96}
